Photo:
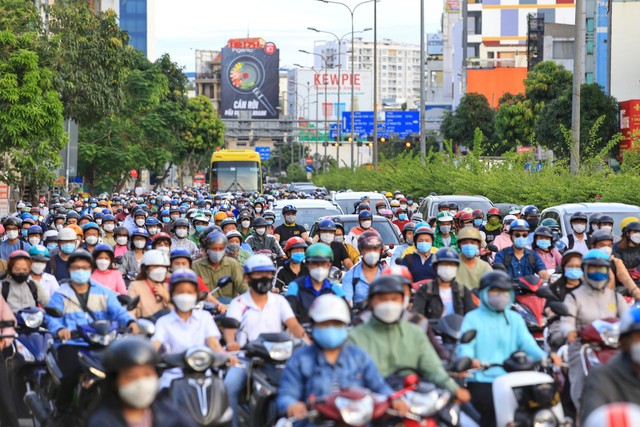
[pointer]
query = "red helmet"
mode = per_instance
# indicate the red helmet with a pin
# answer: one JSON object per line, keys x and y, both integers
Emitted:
{"x": 477, "y": 213}
{"x": 493, "y": 211}
{"x": 464, "y": 217}
{"x": 16, "y": 255}
{"x": 160, "y": 236}
{"x": 295, "y": 242}
{"x": 369, "y": 240}
{"x": 398, "y": 270}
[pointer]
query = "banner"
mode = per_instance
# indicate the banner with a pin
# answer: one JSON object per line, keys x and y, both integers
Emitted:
{"x": 250, "y": 79}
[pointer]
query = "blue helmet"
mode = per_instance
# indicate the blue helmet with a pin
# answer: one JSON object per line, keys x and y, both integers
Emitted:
{"x": 182, "y": 275}
{"x": 257, "y": 263}
{"x": 365, "y": 215}
{"x": 596, "y": 257}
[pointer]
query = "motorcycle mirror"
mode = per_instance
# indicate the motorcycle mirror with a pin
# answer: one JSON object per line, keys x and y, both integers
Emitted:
{"x": 546, "y": 293}
{"x": 492, "y": 248}
{"x": 147, "y": 328}
{"x": 229, "y": 323}
{"x": 224, "y": 281}
{"x": 53, "y": 312}
{"x": 11, "y": 323}
{"x": 468, "y": 336}
{"x": 462, "y": 365}
{"x": 398, "y": 261}
{"x": 559, "y": 308}
{"x": 133, "y": 303}
{"x": 118, "y": 260}
{"x": 124, "y": 299}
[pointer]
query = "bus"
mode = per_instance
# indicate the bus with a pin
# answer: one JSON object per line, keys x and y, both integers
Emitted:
{"x": 235, "y": 171}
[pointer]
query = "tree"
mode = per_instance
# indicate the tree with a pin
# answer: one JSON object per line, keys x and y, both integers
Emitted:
{"x": 546, "y": 82}
{"x": 473, "y": 112}
{"x": 515, "y": 121}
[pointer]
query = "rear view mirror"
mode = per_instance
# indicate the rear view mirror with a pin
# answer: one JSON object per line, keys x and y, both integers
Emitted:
{"x": 147, "y": 328}
{"x": 492, "y": 248}
{"x": 468, "y": 336}
{"x": 545, "y": 292}
{"x": 559, "y": 308}
{"x": 462, "y": 365}
{"x": 54, "y": 312}
{"x": 133, "y": 303}
{"x": 229, "y": 323}
{"x": 224, "y": 281}
{"x": 124, "y": 299}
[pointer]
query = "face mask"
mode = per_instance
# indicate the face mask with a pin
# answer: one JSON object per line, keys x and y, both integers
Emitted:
{"x": 520, "y": 242}
{"x": 635, "y": 238}
{"x": 635, "y": 353}
{"x": 140, "y": 222}
{"x": 319, "y": 273}
{"x": 477, "y": 222}
{"x": 533, "y": 223}
{"x": 423, "y": 247}
{"x": 297, "y": 257}
{"x": 108, "y": 227}
{"x": 402, "y": 217}
{"x": 445, "y": 229}
{"x": 103, "y": 264}
{"x": 245, "y": 224}
{"x": 606, "y": 228}
{"x": 68, "y": 248}
{"x": 140, "y": 393}
{"x": 233, "y": 247}
{"x": 499, "y": 302}
{"x": 139, "y": 244}
{"x": 80, "y": 276}
{"x": 578, "y": 228}
{"x": 166, "y": 219}
{"x": 469, "y": 251}
{"x": 38, "y": 267}
{"x": 34, "y": 241}
{"x": 453, "y": 212}
{"x": 184, "y": 302}
{"x": 290, "y": 219}
{"x": 269, "y": 222}
{"x": 200, "y": 228}
{"x": 329, "y": 337}
{"x": 447, "y": 273}
{"x": 174, "y": 217}
{"x": 99, "y": 221}
{"x": 573, "y": 273}
{"x": 260, "y": 231}
{"x": 122, "y": 240}
{"x": 607, "y": 250}
{"x": 215, "y": 256}
{"x": 494, "y": 221}
{"x": 371, "y": 258}
{"x": 597, "y": 280}
{"x": 544, "y": 244}
{"x": 52, "y": 246}
{"x": 58, "y": 227}
{"x": 12, "y": 234}
{"x": 182, "y": 233}
{"x": 158, "y": 274}
{"x": 21, "y": 277}
{"x": 388, "y": 312}
{"x": 339, "y": 239}
{"x": 153, "y": 231}
{"x": 261, "y": 286}
{"x": 165, "y": 249}
{"x": 258, "y": 210}
{"x": 326, "y": 238}
{"x": 365, "y": 224}
{"x": 91, "y": 240}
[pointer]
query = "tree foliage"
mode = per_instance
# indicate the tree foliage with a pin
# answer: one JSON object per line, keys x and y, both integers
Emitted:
{"x": 546, "y": 82}
{"x": 473, "y": 113}
{"x": 515, "y": 121}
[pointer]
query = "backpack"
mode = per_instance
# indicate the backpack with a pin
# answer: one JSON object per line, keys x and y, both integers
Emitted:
{"x": 508, "y": 257}
{"x": 32, "y": 287}
{"x": 571, "y": 240}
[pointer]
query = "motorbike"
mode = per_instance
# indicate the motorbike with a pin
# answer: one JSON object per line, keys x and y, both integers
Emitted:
{"x": 447, "y": 329}
{"x": 201, "y": 395}
{"x": 531, "y": 299}
{"x": 599, "y": 342}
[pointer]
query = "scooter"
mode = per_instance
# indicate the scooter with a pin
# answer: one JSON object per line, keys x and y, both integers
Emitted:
{"x": 599, "y": 343}
{"x": 531, "y": 299}
{"x": 201, "y": 395}
{"x": 447, "y": 329}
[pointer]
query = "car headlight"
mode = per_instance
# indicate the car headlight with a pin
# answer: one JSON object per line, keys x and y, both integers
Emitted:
{"x": 428, "y": 403}
{"x": 355, "y": 412}
{"x": 609, "y": 332}
{"x": 545, "y": 418}
{"x": 25, "y": 353}
{"x": 198, "y": 358}
{"x": 103, "y": 340}
{"x": 33, "y": 320}
{"x": 279, "y": 351}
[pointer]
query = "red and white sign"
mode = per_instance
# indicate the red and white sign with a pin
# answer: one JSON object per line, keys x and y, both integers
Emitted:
{"x": 4, "y": 199}
{"x": 629, "y": 123}
{"x": 309, "y": 160}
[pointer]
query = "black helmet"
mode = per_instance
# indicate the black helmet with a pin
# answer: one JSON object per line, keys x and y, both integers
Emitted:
{"x": 600, "y": 236}
{"x": 289, "y": 208}
{"x": 543, "y": 231}
{"x": 387, "y": 285}
{"x": 180, "y": 222}
{"x": 259, "y": 222}
{"x": 443, "y": 205}
{"x": 79, "y": 254}
{"x": 595, "y": 218}
{"x": 496, "y": 279}
{"x": 12, "y": 220}
{"x": 606, "y": 219}
{"x": 128, "y": 352}
{"x": 578, "y": 216}
{"x": 453, "y": 205}
{"x": 632, "y": 226}
{"x": 530, "y": 211}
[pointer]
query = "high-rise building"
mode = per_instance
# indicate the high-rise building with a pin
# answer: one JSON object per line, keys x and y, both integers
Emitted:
{"x": 137, "y": 17}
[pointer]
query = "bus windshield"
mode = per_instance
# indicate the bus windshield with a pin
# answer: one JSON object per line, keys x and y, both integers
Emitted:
{"x": 235, "y": 176}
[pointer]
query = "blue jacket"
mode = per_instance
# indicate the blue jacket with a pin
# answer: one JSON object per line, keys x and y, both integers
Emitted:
{"x": 523, "y": 267}
{"x": 499, "y": 335}
{"x": 418, "y": 270}
{"x": 308, "y": 372}
{"x": 301, "y": 294}
{"x": 103, "y": 303}
{"x": 355, "y": 285}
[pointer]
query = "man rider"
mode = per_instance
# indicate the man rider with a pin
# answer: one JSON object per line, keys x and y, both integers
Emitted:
{"x": 518, "y": 260}
{"x": 289, "y": 228}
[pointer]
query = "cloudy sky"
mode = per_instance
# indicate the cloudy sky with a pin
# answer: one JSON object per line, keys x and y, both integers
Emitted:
{"x": 185, "y": 25}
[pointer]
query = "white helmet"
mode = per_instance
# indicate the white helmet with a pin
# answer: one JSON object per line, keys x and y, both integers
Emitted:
{"x": 67, "y": 234}
{"x": 614, "y": 415}
{"x": 155, "y": 257}
{"x": 329, "y": 307}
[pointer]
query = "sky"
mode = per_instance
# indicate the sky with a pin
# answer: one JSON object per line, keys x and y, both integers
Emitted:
{"x": 182, "y": 26}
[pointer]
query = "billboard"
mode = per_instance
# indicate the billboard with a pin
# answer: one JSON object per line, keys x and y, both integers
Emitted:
{"x": 629, "y": 123}
{"x": 250, "y": 82}
{"x": 435, "y": 44}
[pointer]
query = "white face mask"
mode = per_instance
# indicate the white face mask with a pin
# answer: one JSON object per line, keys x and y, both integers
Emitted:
{"x": 122, "y": 240}
{"x": 579, "y": 228}
{"x": 326, "y": 238}
{"x": 158, "y": 274}
{"x": 140, "y": 244}
{"x": 91, "y": 240}
{"x": 34, "y": 241}
{"x": 38, "y": 267}
{"x": 140, "y": 393}
{"x": 447, "y": 273}
{"x": 607, "y": 250}
{"x": 388, "y": 312}
{"x": 339, "y": 239}
{"x": 371, "y": 258}
{"x": 153, "y": 231}
{"x": 319, "y": 273}
{"x": 184, "y": 302}
{"x": 635, "y": 238}
{"x": 165, "y": 249}
{"x": 181, "y": 232}
{"x": 109, "y": 227}
{"x": 245, "y": 224}
{"x": 103, "y": 264}
{"x": 140, "y": 222}
{"x": 606, "y": 229}
{"x": 12, "y": 234}
{"x": 260, "y": 231}
{"x": 365, "y": 224}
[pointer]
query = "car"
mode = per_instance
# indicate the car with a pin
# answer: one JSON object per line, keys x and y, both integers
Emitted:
{"x": 304, "y": 187}
{"x": 381, "y": 224}
{"x": 562, "y": 213}
{"x": 308, "y": 210}
{"x": 348, "y": 199}
{"x": 429, "y": 206}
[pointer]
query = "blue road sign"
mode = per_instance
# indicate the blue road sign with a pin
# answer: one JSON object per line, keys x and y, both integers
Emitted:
{"x": 403, "y": 123}
{"x": 265, "y": 153}
{"x": 362, "y": 122}
{"x": 309, "y": 168}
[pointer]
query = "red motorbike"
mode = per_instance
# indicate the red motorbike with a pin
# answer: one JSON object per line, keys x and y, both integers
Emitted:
{"x": 531, "y": 299}
{"x": 599, "y": 342}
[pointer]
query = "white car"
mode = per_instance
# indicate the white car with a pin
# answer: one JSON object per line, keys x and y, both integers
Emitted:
{"x": 347, "y": 200}
{"x": 308, "y": 210}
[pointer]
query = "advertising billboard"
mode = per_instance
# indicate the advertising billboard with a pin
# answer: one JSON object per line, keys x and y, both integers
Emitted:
{"x": 250, "y": 82}
{"x": 435, "y": 44}
{"x": 629, "y": 123}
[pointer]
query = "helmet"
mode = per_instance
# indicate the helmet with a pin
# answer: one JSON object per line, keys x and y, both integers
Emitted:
{"x": 595, "y": 218}
{"x": 369, "y": 240}
{"x": 614, "y": 415}
{"x": 443, "y": 205}
{"x": 73, "y": 214}
{"x": 453, "y": 205}
{"x": 630, "y": 321}
{"x": 289, "y": 208}
{"x": 329, "y": 307}
{"x": 233, "y": 233}
{"x": 469, "y": 233}
{"x": 228, "y": 221}
{"x": 180, "y": 222}
{"x": 600, "y": 236}
{"x": 530, "y": 210}
{"x": 180, "y": 253}
{"x": 446, "y": 255}
{"x": 632, "y": 226}
{"x": 444, "y": 217}
{"x": 578, "y": 216}
{"x": 79, "y": 254}
{"x": 39, "y": 253}
{"x": 410, "y": 226}
{"x": 596, "y": 257}
{"x": 423, "y": 229}
{"x": 365, "y": 215}
{"x": 295, "y": 243}
{"x": 493, "y": 212}
{"x": 67, "y": 234}
{"x": 268, "y": 214}
{"x": 108, "y": 217}
{"x": 496, "y": 279}
{"x": 477, "y": 213}
{"x": 152, "y": 221}
{"x": 17, "y": 255}
{"x": 551, "y": 223}
{"x": 519, "y": 225}
{"x": 394, "y": 204}
{"x": 215, "y": 237}
{"x": 606, "y": 219}
{"x": 387, "y": 285}
{"x": 160, "y": 236}
{"x": 259, "y": 222}
{"x": 102, "y": 247}
{"x": 380, "y": 203}
{"x": 127, "y": 352}
{"x": 388, "y": 194}
{"x": 182, "y": 275}
{"x": 624, "y": 222}
{"x": 34, "y": 229}
{"x": 398, "y": 271}
{"x": 568, "y": 254}
{"x": 257, "y": 263}
{"x": 363, "y": 207}
{"x": 155, "y": 257}
{"x": 220, "y": 216}
{"x": 543, "y": 231}
{"x": 327, "y": 225}
{"x": 77, "y": 229}
{"x": 319, "y": 252}
{"x": 139, "y": 232}
{"x": 12, "y": 220}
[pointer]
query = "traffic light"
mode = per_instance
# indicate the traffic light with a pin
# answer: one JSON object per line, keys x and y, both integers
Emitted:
{"x": 336, "y": 144}
{"x": 382, "y": 139}
{"x": 370, "y": 144}
{"x": 350, "y": 139}
{"x": 359, "y": 143}
{"x": 407, "y": 145}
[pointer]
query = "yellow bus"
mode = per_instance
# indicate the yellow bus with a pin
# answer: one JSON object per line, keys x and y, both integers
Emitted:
{"x": 235, "y": 171}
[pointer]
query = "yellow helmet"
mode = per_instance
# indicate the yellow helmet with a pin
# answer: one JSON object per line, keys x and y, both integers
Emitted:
{"x": 219, "y": 216}
{"x": 469, "y": 233}
{"x": 389, "y": 194}
{"x": 627, "y": 220}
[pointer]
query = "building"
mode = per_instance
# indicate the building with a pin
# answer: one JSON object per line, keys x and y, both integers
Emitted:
{"x": 625, "y": 62}
{"x": 208, "y": 71}
{"x": 559, "y": 40}
{"x": 137, "y": 17}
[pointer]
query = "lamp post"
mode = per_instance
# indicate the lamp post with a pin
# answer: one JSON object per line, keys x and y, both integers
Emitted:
{"x": 308, "y": 87}
{"x": 317, "y": 105}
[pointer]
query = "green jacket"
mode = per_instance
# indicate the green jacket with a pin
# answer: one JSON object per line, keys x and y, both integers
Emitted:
{"x": 438, "y": 243}
{"x": 401, "y": 345}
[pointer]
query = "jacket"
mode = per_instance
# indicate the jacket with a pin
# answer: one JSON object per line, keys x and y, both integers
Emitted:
{"x": 586, "y": 304}
{"x": 266, "y": 242}
{"x": 427, "y": 300}
{"x": 503, "y": 240}
{"x": 419, "y": 271}
{"x": 185, "y": 244}
{"x": 284, "y": 275}
{"x": 355, "y": 285}
{"x": 499, "y": 334}
{"x": 21, "y": 297}
{"x": 439, "y": 243}
{"x": 629, "y": 256}
{"x": 530, "y": 263}
{"x": 130, "y": 264}
{"x": 301, "y": 294}
{"x": 401, "y": 345}
{"x": 228, "y": 267}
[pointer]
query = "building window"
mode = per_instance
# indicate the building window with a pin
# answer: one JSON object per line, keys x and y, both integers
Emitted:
{"x": 589, "y": 78}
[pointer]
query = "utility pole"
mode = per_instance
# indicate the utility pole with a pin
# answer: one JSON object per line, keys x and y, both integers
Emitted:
{"x": 578, "y": 67}
{"x": 375, "y": 85}
{"x": 423, "y": 142}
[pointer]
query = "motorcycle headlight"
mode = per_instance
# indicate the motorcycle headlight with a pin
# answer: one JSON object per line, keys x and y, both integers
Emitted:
{"x": 33, "y": 320}
{"x": 355, "y": 412}
{"x": 198, "y": 358}
{"x": 427, "y": 404}
{"x": 24, "y": 352}
{"x": 609, "y": 332}
{"x": 103, "y": 340}
{"x": 545, "y": 418}
{"x": 279, "y": 351}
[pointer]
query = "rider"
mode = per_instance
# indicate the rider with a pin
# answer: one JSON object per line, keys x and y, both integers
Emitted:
{"x": 261, "y": 241}
{"x": 365, "y": 222}
{"x": 304, "y": 290}
{"x": 578, "y": 238}
{"x": 356, "y": 281}
{"x": 504, "y": 239}
{"x": 493, "y": 227}
{"x": 180, "y": 237}
{"x": 444, "y": 235}
{"x": 105, "y": 273}
{"x": 91, "y": 234}
{"x": 289, "y": 228}
{"x": 518, "y": 260}
{"x": 293, "y": 267}
{"x": 150, "y": 284}
{"x": 472, "y": 268}
{"x": 235, "y": 247}
{"x": 138, "y": 245}
{"x": 326, "y": 234}
{"x": 40, "y": 256}
{"x": 407, "y": 236}
{"x": 217, "y": 265}
{"x": 13, "y": 242}
{"x": 354, "y": 255}
{"x": 330, "y": 363}
{"x": 628, "y": 248}
{"x": 18, "y": 290}
{"x": 419, "y": 262}
{"x": 543, "y": 245}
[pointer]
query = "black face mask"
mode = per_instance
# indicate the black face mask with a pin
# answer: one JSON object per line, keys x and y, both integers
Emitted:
{"x": 22, "y": 277}
{"x": 261, "y": 286}
{"x": 533, "y": 223}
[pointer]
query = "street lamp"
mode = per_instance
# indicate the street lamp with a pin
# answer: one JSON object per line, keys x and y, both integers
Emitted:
{"x": 325, "y": 101}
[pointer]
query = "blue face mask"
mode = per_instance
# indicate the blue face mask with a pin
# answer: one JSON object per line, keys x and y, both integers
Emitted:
{"x": 80, "y": 276}
{"x": 520, "y": 242}
{"x": 573, "y": 273}
{"x": 52, "y": 246}
{"x": 477, "y": 222}
{"x": 166, "y": 219}
{"x": 409, "y": 202}
{"x": 423, "y": 247}
{"x": 543, "y": 244}
{"x": 297, "y": 257}
{"x": 469, "y": 251}
{"x": 402, "y": 217}
{"x": 68, "y": 248}
{"x": 93, "y": 205}
{"x": 200, "y": 228}
{"x": 330, "y": 337}
{"x": 598, "y": 279}
{"x": 24, "y": 232}
{"x": 269, "y": 222}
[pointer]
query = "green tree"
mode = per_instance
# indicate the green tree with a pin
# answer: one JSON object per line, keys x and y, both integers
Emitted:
{"x": 515, "y": 121}
{"x": 472, "y": 112}
{"x": 547, "y": 82}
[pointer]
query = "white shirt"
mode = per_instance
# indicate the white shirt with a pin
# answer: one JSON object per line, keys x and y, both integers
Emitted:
{"x": 446, "y": 295}
{"x": 578, "y": 245}
{"x": 255, "y": 321}
{"x": 48, "y": 283}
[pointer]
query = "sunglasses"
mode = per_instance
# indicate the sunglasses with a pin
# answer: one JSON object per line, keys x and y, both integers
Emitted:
{"x": 520, "y": 234}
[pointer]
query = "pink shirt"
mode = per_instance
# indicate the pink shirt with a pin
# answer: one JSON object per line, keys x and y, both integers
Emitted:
{"x": 551, "y": 259}
{"x": 503, "y": 241}
{"x": 120, "y": 250}
{"x": 111, "y": 279}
